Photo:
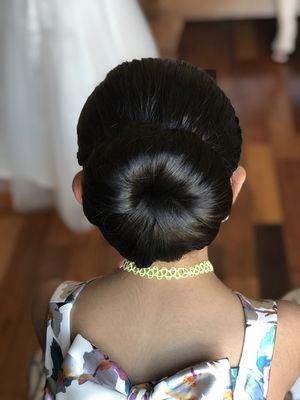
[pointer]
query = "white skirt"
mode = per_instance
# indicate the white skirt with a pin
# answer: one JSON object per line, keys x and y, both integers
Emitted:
{"x": 53, "y": 53}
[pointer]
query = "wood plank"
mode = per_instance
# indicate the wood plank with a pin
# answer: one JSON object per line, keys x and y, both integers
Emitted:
{"x": 283, "y": 134}
{"x": 211, "y": 53}
{"x": 239, "y": 251}
{"x": 251, "y": 94}
{"x": 91, "y": 255}
{"x": 5, "y": 201}
{"x": 244, "y": 95}
{"x": 291, "y": 81}
{"x": 10, "y": 227}
{"x": 289, "y": 173}
{"x": 245, "y": 41}
{"x": 273, "y": 271}
{"x": 15, "y": 304}
{"x": 262, "y": 179}
{"x": 58, "y": 234}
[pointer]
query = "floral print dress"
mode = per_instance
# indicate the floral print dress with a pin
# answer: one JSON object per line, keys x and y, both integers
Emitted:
{"x": 80, "y": 370}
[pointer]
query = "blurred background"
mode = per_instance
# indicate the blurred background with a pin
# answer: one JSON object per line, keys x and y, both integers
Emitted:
{"x": 52, "y": 54}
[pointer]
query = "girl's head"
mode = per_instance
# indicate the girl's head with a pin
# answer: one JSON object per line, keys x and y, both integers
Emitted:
{"x": 159, "y": 143}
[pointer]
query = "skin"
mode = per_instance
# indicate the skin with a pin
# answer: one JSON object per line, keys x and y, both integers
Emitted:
{"x": 122, "y": 299}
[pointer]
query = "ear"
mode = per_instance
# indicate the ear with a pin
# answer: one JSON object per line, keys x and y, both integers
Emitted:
{"x": 237, "y": 179}
{"x": 77, "y": 186}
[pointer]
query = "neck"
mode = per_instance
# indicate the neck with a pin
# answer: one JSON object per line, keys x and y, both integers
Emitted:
{"x": 187, "y": 260}
{"x": 205, "y": 287}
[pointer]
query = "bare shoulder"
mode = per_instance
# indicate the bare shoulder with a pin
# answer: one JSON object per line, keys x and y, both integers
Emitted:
{"x": 88, "y": 301}
{"x": 286, "y": 359}
{"x": 93, "y": 306}
{"x": 39, "y": 307}
{"x": 289, "y": 325}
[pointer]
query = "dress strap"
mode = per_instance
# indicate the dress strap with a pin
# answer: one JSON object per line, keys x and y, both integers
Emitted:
{"x": 58, "y": 330}
{"x": 259, "y": 341}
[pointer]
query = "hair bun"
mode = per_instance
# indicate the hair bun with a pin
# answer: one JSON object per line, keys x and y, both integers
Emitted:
{"x": 164, "y": 189}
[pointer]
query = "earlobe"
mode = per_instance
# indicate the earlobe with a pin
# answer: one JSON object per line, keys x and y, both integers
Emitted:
{"x": 237, "y": 180}
{"x": 77, "y": 186}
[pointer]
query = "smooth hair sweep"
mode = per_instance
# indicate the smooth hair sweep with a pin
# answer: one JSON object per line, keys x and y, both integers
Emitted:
{"x": 158, "y": 141}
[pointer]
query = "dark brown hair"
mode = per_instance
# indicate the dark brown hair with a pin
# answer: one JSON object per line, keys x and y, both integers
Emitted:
{"x": 158, "y": 141}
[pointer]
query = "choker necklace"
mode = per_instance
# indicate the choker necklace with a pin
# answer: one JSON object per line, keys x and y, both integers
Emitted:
{"x": 168, "y": 273}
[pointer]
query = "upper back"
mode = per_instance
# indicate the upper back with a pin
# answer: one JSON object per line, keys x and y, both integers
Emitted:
{"x": 152, "y": 347}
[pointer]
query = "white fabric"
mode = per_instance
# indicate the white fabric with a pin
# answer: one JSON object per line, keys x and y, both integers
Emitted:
{"x": 53, "y": 53}
{"x": 287, "y": 25}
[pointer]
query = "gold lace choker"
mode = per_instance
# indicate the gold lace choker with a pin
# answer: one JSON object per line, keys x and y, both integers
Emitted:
{"x": 168, "y": 273}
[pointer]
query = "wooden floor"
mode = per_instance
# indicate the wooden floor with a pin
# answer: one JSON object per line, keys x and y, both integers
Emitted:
{"x": 257, "y": 251}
